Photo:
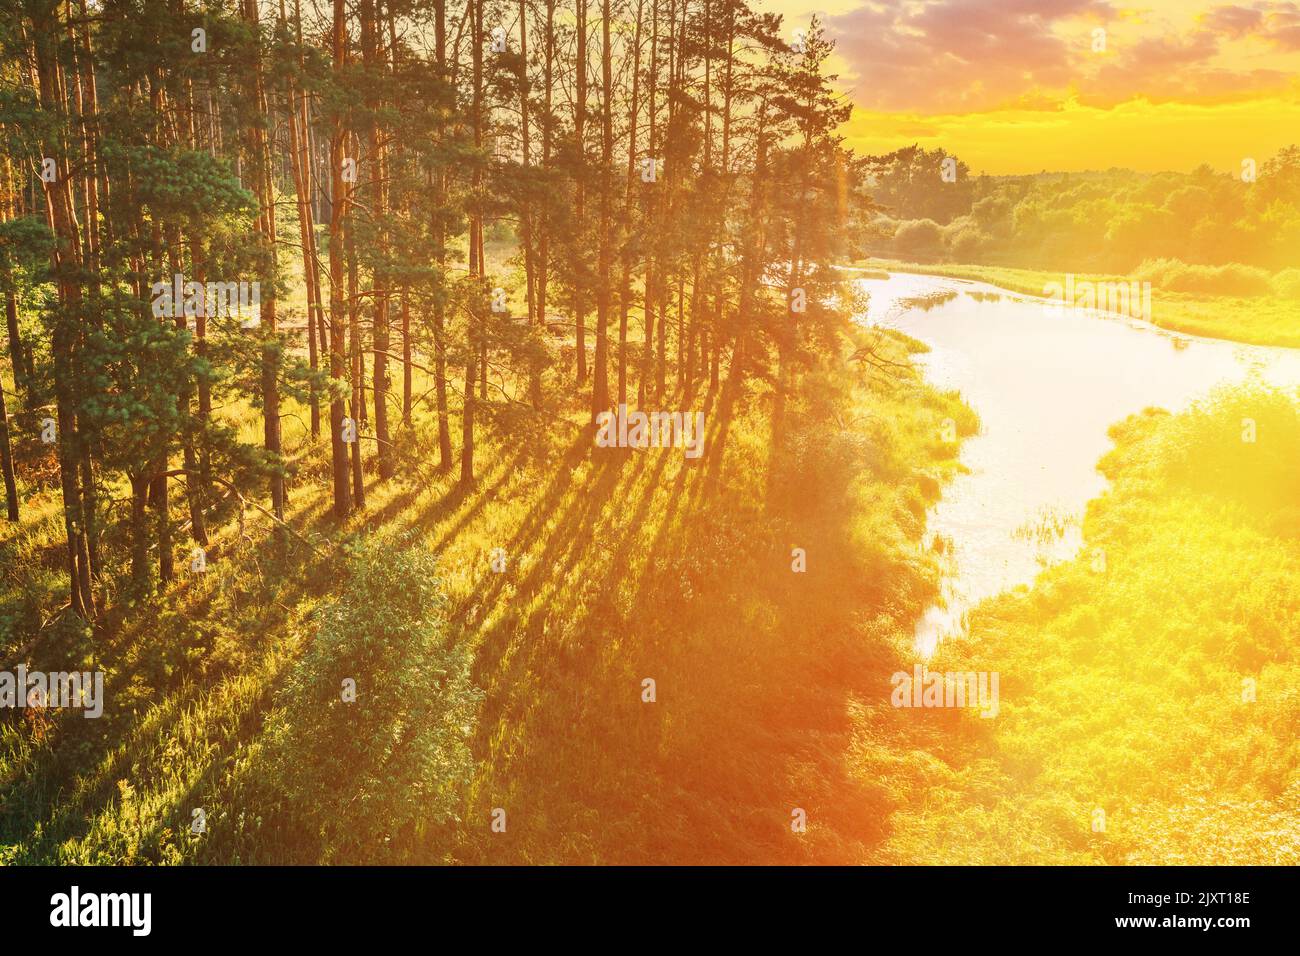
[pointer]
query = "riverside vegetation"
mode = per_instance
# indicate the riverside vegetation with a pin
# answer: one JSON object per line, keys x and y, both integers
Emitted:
{"x": 364, "y": 587}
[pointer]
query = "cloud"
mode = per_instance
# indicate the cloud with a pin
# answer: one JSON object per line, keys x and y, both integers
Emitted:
{"x": 959, "y": 52}
{"x": 929, "y": 55}
{"x": 1277, "y": 24}
{"x": 1233, "y": 21}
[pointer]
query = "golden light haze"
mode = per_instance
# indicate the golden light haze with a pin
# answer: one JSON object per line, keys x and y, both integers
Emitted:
{"x": 1014, "y": 86}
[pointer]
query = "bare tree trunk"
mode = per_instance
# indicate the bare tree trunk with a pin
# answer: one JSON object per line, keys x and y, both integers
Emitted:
{"x": 604, "y": 291}
{"x": 17, "y": 354}
{"x": 440, "y": 256}
{"x": 406, "y": 356}
{"x": 580, "y": 202}
{"x": 139, "y": 530}
{"x": 379, "y": 206}
{"x": 355, "y": 365}
{"x": 544, "y": 243}
{"x": 261, "y": 173}
{"x": 300, "y": 162}
{"x": 525, "y": 213}
{"x": 625, "y": 287}
{"x": 651, "y": 203}
{"x": 673, "y": 173}
{"x": 338, "y": 214}
{"x": 473, "y": 345}
{"x": 7, "y": 461}
{"x": 720, "y": 279}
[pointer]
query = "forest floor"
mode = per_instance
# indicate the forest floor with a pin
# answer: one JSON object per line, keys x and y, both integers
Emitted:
{"x": 772, "y": 685}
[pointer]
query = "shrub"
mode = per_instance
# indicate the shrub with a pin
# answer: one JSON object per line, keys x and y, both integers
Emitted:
{"x": 369, "y": 778}
{"x": 1174, "y": 275}
{"x": 919, "y": 239}
{"x": 965, "y": 240}
{"x": 1287, "y": 284}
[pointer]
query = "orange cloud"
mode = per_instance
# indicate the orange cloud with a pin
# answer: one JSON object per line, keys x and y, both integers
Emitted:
{"x": 981, "y": 54}
{"x": 1025, "y": 85}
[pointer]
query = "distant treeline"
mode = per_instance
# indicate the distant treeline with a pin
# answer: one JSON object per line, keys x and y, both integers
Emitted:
{"x": 1109, "y": 221}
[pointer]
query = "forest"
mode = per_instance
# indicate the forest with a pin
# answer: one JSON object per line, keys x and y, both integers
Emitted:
{"x": 1220, "y": 237}
{"x": 449, "y": 430}
{"x": 406, "y": 189}
{"x": 311, "y": 317}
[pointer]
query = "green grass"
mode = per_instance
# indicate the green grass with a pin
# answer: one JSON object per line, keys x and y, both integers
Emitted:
{"x": 1155, "y": 678}
{"x": 620, "y": 567}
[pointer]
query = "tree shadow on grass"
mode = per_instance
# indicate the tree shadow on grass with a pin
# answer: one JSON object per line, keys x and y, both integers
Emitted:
{"x": 137, "y": 772}
{"x": 763, "y": 680}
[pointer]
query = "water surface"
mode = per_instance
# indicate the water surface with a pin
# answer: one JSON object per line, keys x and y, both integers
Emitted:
{"x": 1047, "y": 381}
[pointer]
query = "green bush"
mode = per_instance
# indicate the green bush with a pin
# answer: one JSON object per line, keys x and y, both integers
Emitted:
{"x": 1174, "y": 275}
{"x": 921, "y": 238}
{"x": 371, "y": 778}
{"x": 1287, "y": 284}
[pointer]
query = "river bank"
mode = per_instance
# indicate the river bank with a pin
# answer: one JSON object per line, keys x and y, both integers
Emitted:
{"x": 1266, "y": 319}
{"x": 1047, "y": 382}
{"x": 1148, "y": 678}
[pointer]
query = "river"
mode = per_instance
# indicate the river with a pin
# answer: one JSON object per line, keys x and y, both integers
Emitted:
{"x": 1047, "y": 381}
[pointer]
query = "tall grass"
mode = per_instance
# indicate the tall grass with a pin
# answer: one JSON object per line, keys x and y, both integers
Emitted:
{"x": 1152, "y": 684}
{"x": 621, "y": 566}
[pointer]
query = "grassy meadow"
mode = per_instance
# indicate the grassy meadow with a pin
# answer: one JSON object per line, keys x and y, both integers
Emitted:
{"x": 520, "y": 689}
{"x": 1151, "y": 686}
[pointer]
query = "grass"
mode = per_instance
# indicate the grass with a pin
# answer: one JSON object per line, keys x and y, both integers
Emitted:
{"x": 1150, "y": 686}
{"x": 620, "y": 567}
{"x": 1154, "y": 678}
{"x": 1258, "y": 320}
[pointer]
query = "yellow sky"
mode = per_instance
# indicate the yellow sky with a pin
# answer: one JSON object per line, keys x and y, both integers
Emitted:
{"x": 1016, "y": 86}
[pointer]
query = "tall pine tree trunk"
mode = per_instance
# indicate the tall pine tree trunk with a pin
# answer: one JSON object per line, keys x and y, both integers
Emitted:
{"x": 379, "y": 209}
{"x": 439, "y": 228}
{"x": 472, "y": 319}
{"x": 299, "y": 161}
{"x": 7, "y": 461}
{"x": 261, "y": 174}
{"x": 604, "y": 290}
{"x": 66, "y": 265}
{"x": 625, "y": 286}
{"x": 338, "y": 214}
{"x": 580, "y": 201}
{"x": 651, "y": 204}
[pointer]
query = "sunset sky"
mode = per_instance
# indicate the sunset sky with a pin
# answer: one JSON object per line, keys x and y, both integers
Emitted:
{"x": 1015, "y": 86}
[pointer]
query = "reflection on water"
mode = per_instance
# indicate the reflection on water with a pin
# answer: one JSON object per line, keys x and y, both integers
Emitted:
{"x": 1047, "y": 380}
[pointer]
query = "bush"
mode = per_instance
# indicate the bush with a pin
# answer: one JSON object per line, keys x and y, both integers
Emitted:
{"x": 966, "y": 241}
{"x": 919, "y": 239}
{"x": 370, "y": 778}
{"x": 1174, "y": 275}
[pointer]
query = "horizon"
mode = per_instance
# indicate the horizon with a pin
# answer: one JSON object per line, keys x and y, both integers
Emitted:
{"x": 1023, "y": 91}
